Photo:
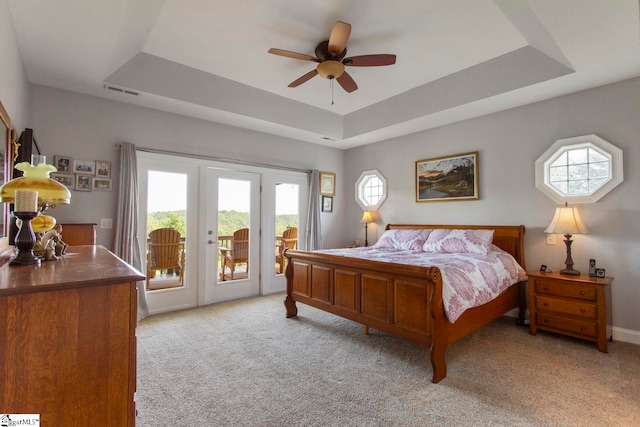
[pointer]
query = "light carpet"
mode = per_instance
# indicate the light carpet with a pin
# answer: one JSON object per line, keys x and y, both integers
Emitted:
{"x": 243, "y": 363}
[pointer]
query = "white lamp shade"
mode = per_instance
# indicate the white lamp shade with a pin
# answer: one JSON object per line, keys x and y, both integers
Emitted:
{"x": 566, "y": 221}
{"x": 366, "y": 217}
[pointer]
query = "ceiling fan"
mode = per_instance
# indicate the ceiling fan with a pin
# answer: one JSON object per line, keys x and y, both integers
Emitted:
{"x": 330, "y": 55}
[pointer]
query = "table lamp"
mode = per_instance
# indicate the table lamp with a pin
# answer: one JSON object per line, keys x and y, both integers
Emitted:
{"x": 567, "y": 221}
{"x": 366, "y": 219}
{"x": 31, "y": 194}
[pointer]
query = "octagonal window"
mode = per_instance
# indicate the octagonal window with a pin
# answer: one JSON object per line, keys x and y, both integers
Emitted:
{"x": 371, "y": 190}
{"x": 581, "y": 169}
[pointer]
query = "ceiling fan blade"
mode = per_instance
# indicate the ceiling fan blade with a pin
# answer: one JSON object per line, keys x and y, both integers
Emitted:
{"x": 293, "y": 55}
{"x": 311, "y": 74}
{"x": 370, "y": 60}
{"x": 339, "y": 37}
{"x": 347, "y": 82}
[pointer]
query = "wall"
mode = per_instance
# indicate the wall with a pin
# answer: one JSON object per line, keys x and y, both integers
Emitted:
{"x": 88, "y": 128}
{"x": 13, "y": 81}
{"x": 509, "y": 143}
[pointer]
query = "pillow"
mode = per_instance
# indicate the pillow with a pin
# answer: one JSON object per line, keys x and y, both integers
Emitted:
{"x": 403, "y": 239}
{"x": 459, "y": 241}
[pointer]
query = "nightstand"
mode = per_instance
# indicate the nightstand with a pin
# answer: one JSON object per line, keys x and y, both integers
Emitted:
{"x": 578, "y": 306}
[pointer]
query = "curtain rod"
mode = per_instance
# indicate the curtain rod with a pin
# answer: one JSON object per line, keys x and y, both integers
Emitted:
{"x": 219, "y": 159}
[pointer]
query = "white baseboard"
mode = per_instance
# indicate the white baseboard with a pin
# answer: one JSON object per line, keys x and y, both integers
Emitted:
{"x": 626, "y": 335}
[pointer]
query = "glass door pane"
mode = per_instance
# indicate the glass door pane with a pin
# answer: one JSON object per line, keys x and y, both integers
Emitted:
{"x": 286, "y": 222}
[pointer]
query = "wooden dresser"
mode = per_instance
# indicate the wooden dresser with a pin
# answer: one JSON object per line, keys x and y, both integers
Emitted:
{"x": 79, "y": 234}
{"x": 67, "y": 339}
{"x": 578, "y": 306}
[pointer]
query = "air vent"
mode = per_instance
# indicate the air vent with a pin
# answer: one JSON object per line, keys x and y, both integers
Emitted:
{"x": 121, "y": 90}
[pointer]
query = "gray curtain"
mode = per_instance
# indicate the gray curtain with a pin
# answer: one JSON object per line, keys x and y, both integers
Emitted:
{"x": 313, "y": 236}
{"x": 126, "y": 240}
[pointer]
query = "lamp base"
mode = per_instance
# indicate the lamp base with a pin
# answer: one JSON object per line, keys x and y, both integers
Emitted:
{"x": 570, "y": 272}
{"x": 25, "y": 240}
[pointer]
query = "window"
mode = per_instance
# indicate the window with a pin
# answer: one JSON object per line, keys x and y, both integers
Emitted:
{"x": 579, "y": 170}
{"x": 371, "y": 190}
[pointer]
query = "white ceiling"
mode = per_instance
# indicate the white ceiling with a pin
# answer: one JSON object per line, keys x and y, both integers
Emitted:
{"x": 456, "y": 59}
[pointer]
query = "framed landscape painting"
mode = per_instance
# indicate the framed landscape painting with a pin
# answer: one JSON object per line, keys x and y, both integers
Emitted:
{"x": 447, "y": 178}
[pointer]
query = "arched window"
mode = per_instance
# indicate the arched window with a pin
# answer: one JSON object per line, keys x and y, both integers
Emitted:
{"x": 579, "y": 170}
{"x": 371, "y": 190}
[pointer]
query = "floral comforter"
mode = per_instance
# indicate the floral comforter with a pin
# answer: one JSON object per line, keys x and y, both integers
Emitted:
{"x": 469, "y": 280}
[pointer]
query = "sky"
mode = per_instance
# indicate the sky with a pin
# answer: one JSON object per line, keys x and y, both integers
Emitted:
{"x": 232, "y": 194}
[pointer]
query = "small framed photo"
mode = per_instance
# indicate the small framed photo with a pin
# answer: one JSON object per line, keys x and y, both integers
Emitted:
{"x": 83, "y": 182}
{"x": 327, "y": 204}
{"x": 63, "y": 164}
{"x": 103, "y": 169}
{"x": 327, "y": 183}
{"x": 84, "y": 167}
{"x": 102, "y": 184}
{"x": 600, "y": 272}
{"x": 68, "y": 179}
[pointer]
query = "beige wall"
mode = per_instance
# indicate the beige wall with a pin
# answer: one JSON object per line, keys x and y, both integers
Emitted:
{"x": 88, "y": 128}
{"x": 509, "y": 143}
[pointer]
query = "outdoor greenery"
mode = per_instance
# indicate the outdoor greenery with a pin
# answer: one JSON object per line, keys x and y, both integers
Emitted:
{"x": 228, "y": 221}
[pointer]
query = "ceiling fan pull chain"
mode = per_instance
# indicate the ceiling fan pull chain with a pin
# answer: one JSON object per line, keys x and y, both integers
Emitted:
{"x": 331, "y": 83}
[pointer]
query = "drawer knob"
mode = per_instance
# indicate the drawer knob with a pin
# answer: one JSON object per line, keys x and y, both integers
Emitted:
{"x": 546, "y": 320}
{"x": 545, "y": 287}
{"x": 582, "y": 310}
{"x": 546, "y": 304}
{"x": 583, "y": 328}
{"x": 581, "y": 292}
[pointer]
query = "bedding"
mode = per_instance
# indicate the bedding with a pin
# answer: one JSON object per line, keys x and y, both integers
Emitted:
{"x": 469, "y": 279}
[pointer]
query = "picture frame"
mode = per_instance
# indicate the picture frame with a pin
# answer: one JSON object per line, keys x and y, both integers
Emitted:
{"x": 83, "y": 182}
{"x": 63, "y": 164}
{"x": 67, "y": 179}
{"x": 327, "y": 204}
{"x": 449, "y": 178}
{"x": 327, "y": 183}
{"x": 101, "y": 184}
{"x": 103, "y": 169}
{"x": 84, "y": 167}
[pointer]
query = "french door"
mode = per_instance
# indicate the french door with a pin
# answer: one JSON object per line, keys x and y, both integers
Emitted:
{"x": 207, "y": 202}
{"x": 232, "y": 204}
{"x": 167, "y": 195}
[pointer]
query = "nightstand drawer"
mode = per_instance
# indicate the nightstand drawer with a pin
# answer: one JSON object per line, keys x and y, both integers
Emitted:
{"x": 562, "y": 306}
{"x": 563, "y": 289}
{"x": 562, "y": 324}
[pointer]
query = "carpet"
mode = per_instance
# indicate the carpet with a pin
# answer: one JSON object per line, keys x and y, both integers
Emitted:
{"x": 243, "y": 363}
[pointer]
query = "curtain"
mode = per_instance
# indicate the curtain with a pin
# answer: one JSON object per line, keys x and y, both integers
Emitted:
{"x": 126, "y": 239}
{"x": 313, "y": 236}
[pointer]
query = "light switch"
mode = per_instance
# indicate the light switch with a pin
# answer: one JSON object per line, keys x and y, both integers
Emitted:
{"x": 106, "y": 223}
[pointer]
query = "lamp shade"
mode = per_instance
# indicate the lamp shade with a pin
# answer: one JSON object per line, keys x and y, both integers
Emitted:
{"x": 366, "y": 217}
{"x": 36, "y": 178}
{"x": 330, "y": 69}
{"x": 566, "y": 221}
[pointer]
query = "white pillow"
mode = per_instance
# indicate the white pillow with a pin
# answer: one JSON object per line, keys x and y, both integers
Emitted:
{"x": 403, "y": 239}
{"x": 459, "y": 241}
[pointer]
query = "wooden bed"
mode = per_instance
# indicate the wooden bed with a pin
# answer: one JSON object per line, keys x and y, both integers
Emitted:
{"x": 404, "y": 301}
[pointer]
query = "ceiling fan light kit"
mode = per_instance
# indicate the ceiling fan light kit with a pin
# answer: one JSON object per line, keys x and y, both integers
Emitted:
{"x": 330, "y": 56}
{"x": 330, "y": 69}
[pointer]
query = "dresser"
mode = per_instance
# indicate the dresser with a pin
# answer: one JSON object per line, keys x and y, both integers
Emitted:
{"x": 578, "y": 306}
{"x": 67, "y": 339}
{"x": 79, "y": 234}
